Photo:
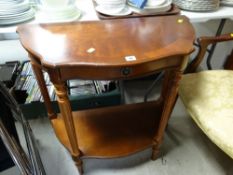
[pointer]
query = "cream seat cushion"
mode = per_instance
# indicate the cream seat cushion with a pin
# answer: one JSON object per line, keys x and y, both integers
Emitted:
{"x": 208, "y": 97}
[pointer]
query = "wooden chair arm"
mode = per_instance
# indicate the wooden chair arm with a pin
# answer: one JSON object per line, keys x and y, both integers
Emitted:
{"x": 229, "y": 61}
{"x": 204, "y": 42}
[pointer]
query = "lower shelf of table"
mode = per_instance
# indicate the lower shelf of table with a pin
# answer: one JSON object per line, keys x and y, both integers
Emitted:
{"x": 79, "y": 102}
{"x": 112, "y": 131}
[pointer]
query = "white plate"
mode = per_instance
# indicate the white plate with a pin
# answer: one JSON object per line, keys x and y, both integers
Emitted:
{"x": 30, "y": 12}
{"x": 13, "y": 1}
{"x": 14, "y": 11}
{"x": 61, "y": 16}
{"x": 166, "y": 3}
{"x": 55, "y": 3}
{"x": 14, "y": 4}
{"x": 109, "y": 8}
{"x": 52, "y": 18}
{"x": 14, "y": 8}
{"x": 153, "y": 3}
{"x": 124, "y": 12}
{"x": 110, "y": 2}
{"x": 227, "y": 3}
{"x": 152, "y": 10}
{"x": 18, "y": 19}
{"x": 13, "y": 15}
{"x": 68, "y": 11}
{"x": 64, "y": 8}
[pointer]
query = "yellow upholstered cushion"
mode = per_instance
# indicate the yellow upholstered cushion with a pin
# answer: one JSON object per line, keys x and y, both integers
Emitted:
{"x": 208, "y": 97}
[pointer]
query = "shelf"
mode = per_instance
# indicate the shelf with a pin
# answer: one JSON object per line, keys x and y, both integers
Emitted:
{"x": 35, "y": 109}
{"x": 29, "y": 97}
{"x": 112, "y": 131}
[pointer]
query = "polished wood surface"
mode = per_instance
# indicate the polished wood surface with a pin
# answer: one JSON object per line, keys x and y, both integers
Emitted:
{"x": 204, "y": 42}
{"x": 66, "y": 46}
{"x": 113, "y": 131}
{"x": 98, "y": 50}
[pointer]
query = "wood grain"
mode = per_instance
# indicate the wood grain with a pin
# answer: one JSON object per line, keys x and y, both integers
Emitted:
{"x": 204, "y": 42}
{"x": 65, "y": 46}
{"x": 112, "y": 131}
{"x": 98, "y": 50}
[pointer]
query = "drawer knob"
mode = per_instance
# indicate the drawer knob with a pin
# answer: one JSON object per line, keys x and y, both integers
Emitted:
{"x": 126, "y": 71}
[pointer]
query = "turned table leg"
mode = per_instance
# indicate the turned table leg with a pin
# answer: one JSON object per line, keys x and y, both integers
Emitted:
{"x": 169, "y": 93}
{"x": 65, "y": 109}
{"x": 44, "y": 91}
{"x": 79, "y": 164}
{"x": 169, "y": 97}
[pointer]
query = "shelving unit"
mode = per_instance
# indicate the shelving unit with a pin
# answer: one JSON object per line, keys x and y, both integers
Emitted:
{"x": 27, "y": 91}
{"x": 35, "y": 109}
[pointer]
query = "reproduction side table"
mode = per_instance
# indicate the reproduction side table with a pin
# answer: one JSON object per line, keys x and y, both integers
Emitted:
{"x": 110, "y": 49}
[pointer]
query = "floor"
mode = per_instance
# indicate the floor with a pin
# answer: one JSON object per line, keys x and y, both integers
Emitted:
{"x": 185, "y": 149}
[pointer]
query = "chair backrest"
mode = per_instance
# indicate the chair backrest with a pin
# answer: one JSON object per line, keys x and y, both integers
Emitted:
{"x": 204, "y": 42}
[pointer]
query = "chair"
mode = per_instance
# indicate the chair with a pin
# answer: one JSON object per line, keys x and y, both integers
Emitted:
{"x": 208, "y": 97}
{"x": 28, "y": 161}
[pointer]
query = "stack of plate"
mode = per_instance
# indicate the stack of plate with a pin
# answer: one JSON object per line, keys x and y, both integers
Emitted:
{"x": 227, "y": 2}
{"x": 57, "y": 11}
{"x": 152, "y": 7}
{"x": 112, "y": 7}
{"x": 34, "y": 3}
{"x": 15, "y": 11}
{"x": 198, "y": 5}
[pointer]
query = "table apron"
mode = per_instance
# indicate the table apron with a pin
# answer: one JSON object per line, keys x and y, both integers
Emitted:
{"x": 118, "y": 72}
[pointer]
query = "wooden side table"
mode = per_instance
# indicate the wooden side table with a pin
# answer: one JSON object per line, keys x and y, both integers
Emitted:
{"x": 110, "y": 49}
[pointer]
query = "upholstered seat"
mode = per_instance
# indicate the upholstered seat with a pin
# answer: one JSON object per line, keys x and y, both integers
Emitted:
{"x": 208, "y": 97}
